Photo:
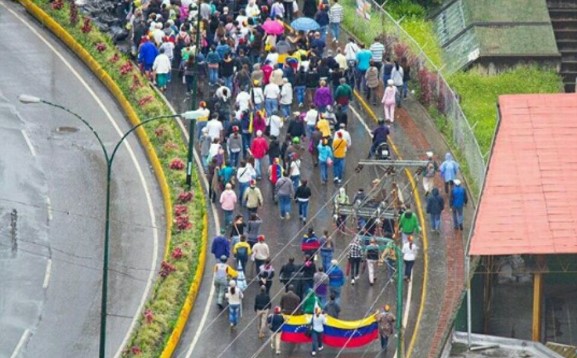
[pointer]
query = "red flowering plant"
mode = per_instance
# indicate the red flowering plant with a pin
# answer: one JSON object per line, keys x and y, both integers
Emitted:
{"x": 180, "y": 210}
{"x": 114, "y": 58}
{"x": 86, "y": 26}
{"x": 73, "y": 13}
{"x": 177, "y": 253}
{"x": 100, "y": 47}
{"x": 148, "y": 316}
{"x": 166, "y": 268}
{"x": 177, "y": 164}
{"x": 145, "y": 100}
{"x": 57, "y": 4}
{"x": 126, "y": 68}
{"x": 135, "y": 350}
{"x": 185, "y": 197}
{"x": 183, "y": 223}
{"x": 135, "y": 82}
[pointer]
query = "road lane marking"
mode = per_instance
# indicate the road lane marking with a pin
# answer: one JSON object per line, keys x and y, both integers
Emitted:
{"x": 28, "y": 142}
{"x": 47, "y": 274}
{"x": 23, "y": 339}
{"x": 133, "y": 158}
{"x": 49, "y": 208}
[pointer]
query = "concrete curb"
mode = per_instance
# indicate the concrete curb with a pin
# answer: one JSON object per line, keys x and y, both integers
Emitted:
{"x": 144, "y": 140}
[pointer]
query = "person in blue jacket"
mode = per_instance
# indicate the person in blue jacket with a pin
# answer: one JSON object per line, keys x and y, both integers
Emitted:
{"x": 336, "y": 280}
{"x": 146, "y": 55}
{"x": 220, "y": 246}
{"x": 458, "y": 202}
{"x": 449, "y": 171}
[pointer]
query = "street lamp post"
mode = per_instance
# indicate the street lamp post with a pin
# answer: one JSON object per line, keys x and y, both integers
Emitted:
{"x": 399, "y": 321}
{"x": 192, "y": 115}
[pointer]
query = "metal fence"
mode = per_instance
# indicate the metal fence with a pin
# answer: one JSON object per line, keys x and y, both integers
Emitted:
{"x": 433, "y": 92}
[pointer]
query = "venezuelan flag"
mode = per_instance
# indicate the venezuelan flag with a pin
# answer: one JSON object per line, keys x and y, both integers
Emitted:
{"x": 337, "y": 333}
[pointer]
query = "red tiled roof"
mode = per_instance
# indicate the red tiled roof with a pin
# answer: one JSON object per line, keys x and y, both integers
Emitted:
{"x": 529, "y": 203}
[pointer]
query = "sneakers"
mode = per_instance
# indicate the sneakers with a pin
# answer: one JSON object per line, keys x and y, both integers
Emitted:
{"x": 313, "y": 353}
{"x": 353, "y": 282}
{"x": 321, "y": 348}
{"x": 288, "y": 216}
{"x": 278, "y": 353}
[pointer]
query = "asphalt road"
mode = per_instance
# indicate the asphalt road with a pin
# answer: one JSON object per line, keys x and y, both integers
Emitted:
{"x": 52, "y": 175}
{"x": 208, "y": 334}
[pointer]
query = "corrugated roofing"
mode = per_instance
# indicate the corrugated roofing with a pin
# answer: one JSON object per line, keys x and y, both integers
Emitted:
{"x": 529, "y": 202}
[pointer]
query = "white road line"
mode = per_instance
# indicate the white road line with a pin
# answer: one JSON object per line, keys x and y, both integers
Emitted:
{"x": 28, "y": 142}
{"x": 49, "y": 208}
{"x": 21, "y": 343}
{"x": 47, "y": 274}
{"x": 410, "y": 288}
{"x": 138, "y": 170}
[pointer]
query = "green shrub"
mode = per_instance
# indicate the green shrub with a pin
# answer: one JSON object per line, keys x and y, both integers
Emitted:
{"x": 405, "y": 8}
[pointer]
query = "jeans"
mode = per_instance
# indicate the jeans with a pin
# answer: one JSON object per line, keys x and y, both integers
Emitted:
{"x": 296, "y": 179}
{"x": 405, "y": 90}
{"x": 323, "y": 31}
{"x": 257, "y": 167}
{"x": 189, "y": 83}
{"x": 436, "y": 221}
{"x": 205, "y": 163}
{"x": 391, "y": 268}
{"x": 399, "y": 96}
{"x": 355, "y": 263}
{"x": 310, "y": 130}
{"x": 233, "y": 311}
{"x": 241, "y": 188}
{"x": 245, "y": 143}
{"x": 360, "y": 79}
{"x": 338, "y": 168}
{"x": 286, "y": 110}
{"x": 457, "y": 217}
{"x": 384, "y": 342}
{"x": 336, "y": 291}
{"x": 258, "y": 106}
{"x": 242, "y": 260}
{"x": 228, "y": 217}
{"x": 212, "y": 75}
{"x": 228, "y": 83}
{"x": 324, "y": 171}
{"x": 317, "y": 338}
{"x": 270, "y": 105}
{"x": 300, "y": 94}
{"x": 284, "y": 205}
{"x": 303, "y": 209}
{"x": 233, "y": 159}
{"x": 220, "y": 287}
{"x": 199, "y": 126}
{"x": 335, "y": 29}
{"x": 326, "y": 257}
{"x": 408, "y": 268}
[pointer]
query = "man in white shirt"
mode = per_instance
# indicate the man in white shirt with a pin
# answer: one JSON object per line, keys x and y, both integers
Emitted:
{"x": 215, "y": 128}
{"x": 271, "y": 95}
{"x": 351, "y": 49}
{"x": 335, "y": 18}
{"x": 161, "y": 68}
{"x": 311, "y": 120}
{"x": 243, "y": 100}
{"x": 377, "y": 51}
{"x": 276, "y": 124}
{"x": 257, "y": 95}
{"x": 341, "y": 59}
{"x": 286, "y": 98}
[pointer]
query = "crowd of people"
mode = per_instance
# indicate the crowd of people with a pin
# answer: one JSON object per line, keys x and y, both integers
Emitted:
{"x": 272, "y": 94}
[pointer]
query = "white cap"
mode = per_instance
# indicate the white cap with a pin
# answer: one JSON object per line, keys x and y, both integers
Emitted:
{"x": 429, "y": 154}
{"x": 259, "y": 133}
{"x": 232, "y": 283}
{"x": 390, "y": 82}
{"x": 457, "y": 182}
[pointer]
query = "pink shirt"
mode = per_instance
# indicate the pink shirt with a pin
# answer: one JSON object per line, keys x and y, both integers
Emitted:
{"x": 389, "y": 96}
{"x": 227, "y": 200}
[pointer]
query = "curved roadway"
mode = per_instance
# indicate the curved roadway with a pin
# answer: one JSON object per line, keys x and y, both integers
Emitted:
{"x": 52, "y": 196}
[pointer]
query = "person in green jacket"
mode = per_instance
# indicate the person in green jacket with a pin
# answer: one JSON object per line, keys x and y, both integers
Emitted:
{"x": 310, "y": 301}
{"x": 408, "y": 225}
{"x": 343, "y": 94}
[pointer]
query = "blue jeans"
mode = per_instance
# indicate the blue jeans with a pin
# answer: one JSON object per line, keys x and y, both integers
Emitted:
{"x": 246, "y": 137}
{"x": 408, "y": 268}
{"x": 241, "y": 188}
{"x": 258, "y": 106}
{"x": 296, "y": 180}
{"x": 257, "y": 167}
{"x": 233, "y": 159}
{"x": 457, "y": 217}
{"x": 405, "y": 91}
{"x": 317, "y": 339}
{"x": 286, "y": 110}
{"x": 284, "y": 203}
{"x": 324, "y": 171}
{"x": 336, "y": 291}
{"x": 391, "y": 267}
{"x": 339, "y": 168}
{"x": 303, "y": 209}
{"x": 228, "y": 217}
{"x": 335, "y": 29}
{"x": 300, "y": 94}
{"x": 242, "y": 259}
{"x": 436, "y": 221}
{"x": 233, "y": 311}
{"x": 205, "y": 163}
{"x": 323, "y": 31}
{"x": 270, "y": 105}
{"x": 310, "y": 130}
{"x": 326, "y": 257}
{"x": 212, "y": 75}
{"x": 199, "y": 127}
{"x": 228, "y": 83}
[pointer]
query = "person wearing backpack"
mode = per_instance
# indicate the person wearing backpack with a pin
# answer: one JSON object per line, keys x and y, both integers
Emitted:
{"x": 222, "y": 274}
{"x": 429, "y": 171}
{"x": 275, "y": 322}
{"x": 242, "y": 252}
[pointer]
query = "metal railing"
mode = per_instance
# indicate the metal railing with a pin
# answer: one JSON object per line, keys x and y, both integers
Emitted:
{"x": 433, "y": 90}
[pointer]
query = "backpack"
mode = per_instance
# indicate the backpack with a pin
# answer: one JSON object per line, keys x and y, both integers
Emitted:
{"x": 221, "y": 273}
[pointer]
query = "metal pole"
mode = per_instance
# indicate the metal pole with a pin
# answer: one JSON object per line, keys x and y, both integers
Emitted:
{"x": 104, "y": 298}
{"x": 399, "y": 302}
{"x": 193, "y": 101}
{"x": 468, "y": 278}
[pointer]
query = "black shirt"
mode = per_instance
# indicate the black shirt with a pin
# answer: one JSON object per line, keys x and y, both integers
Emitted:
{"x": 262, "y": 301}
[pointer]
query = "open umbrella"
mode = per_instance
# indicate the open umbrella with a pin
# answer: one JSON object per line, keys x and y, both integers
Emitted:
{"x": 305, "y": 24}
{"x": 273, "y": 27}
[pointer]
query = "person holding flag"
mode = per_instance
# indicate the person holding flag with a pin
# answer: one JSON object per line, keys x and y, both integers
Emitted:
{"x": 275, "y": 322}
{"x": 385, "y": 320}
{"x": 318, "y": 322}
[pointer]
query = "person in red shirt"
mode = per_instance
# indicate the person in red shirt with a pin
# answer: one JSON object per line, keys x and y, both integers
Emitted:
{"x": 267, "y": 71}
{"x": 259, "y": 150}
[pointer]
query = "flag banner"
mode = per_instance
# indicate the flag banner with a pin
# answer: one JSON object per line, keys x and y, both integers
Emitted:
{"x": 337, "y": 333}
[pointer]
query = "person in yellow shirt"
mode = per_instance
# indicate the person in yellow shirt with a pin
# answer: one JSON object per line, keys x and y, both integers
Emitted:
{"x": 222, "y": 274}
{"x": 339, "y": 153}
{"x": 324, "y": 127}
{"x": 203, "y": 119}
{"x": 242, "y": 252}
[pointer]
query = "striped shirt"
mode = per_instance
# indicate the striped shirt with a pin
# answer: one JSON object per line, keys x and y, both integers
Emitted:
{"x": 377, "y": 51}
{"x": 336, "y": 14}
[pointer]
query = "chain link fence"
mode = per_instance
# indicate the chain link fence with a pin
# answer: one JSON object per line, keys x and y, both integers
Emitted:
{"x": 433, "y": 90}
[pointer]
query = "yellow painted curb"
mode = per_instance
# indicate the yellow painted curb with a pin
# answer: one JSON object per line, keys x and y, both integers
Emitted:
{"x": 103, "y": 76}
{"x": 420, "y": 212}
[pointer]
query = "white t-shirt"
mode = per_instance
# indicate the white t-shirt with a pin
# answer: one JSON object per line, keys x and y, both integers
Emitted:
{"x": 161, "y": 64}
{"x": 409, "y": 254}
{"x": 214, "y": 127}
{"x": 258, "y": 95}
{"x": 311, "y": 117}
{"x": 275, "y": 125}
{"x": 286, "y": 94}
{"x": 244, "y": 175}
{"x": 243, "y": 100}
{"x": 273, "y": 58}
{"x": 295, "y": 168}
{"x": 318, "y": 322}
{"x": 271, "y": 91}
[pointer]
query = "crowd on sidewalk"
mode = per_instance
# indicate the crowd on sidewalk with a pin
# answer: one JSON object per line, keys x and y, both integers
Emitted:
{"x": 271, "y": 94}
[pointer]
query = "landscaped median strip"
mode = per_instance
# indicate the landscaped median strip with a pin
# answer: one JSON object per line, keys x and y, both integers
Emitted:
{"x": 160, "y": 325}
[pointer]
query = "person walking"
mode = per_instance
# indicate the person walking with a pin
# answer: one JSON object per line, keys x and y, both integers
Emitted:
{"x": 389, "y": 257}
{"x": 234, "y": 297}
{"x": 435, "y": 206}
{"x": 275, "y": 322}
{"x": 377, "y": 53}
{"x": 253, "y": 229}
{"x": 343, "y": 95}
{"x": 372, "y": 255}
{"x": 260, "y": 252}
{"x": 290, "y": 302}
{"x": 325, "y": 159}
{"x": 234, "y": 146}
{"x": 408, "y": 225}
{"x": 397, "y": 75}
{"x": 294, "y": 168}
{"x": 380, "y": 135}
{"x": 332, "y": 308}
{"x": 259, "y": 150}
{"x": 372, "y": 80}
{"x": 364, "y": 56}
{"x": 449, "y": 171}
{"x": 409, "y": 255}
{"x": 389, "y": 101}
{"x": 284, "y": 191}
{"x": 340, "y": 147}
{"x": 302, "y": 197}
{"x": 220, "y": 246}
{"x": 341, "y": 199}
{"x": 321, "y": 286}
{"x": 385, "y": 320}
{"x": 287, "y": 273}
{"x": 286, "y": 98}
{"x": 227, "y": 204}
{"x": 271, "y": 97}
{"x": 336, "y": 280}
{"x": 310, "y": 301}
{"x": 429, "y": 171}
{"x": 355, "y": 255}
{"x": 327, "y": 249}
{"x": 261, "y": 307}
{"x": 222, "y": 273}
{"x": 317, "y": 328}
{"x": 335, "y": 18}
{"x": 266, "y": 274}
{"x": 244, "y": 175}
{"x": 252, "y": 198}
{"x": 242, "y": 252}
{"x": 459, "y": 200}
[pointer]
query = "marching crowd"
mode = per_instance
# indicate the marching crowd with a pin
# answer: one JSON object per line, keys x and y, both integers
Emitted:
{"x": 261, "y": 80}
